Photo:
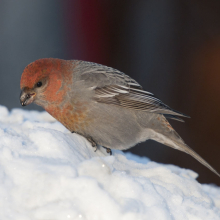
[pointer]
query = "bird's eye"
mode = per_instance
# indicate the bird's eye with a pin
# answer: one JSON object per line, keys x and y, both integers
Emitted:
{"x": 39, "y": 84}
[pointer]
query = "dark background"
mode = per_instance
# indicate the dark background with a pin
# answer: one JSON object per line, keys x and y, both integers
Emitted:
{"x": 171, "y": 47}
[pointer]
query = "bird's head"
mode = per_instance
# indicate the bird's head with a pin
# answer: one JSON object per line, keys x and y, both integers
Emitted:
{"x": 41, "y": 82}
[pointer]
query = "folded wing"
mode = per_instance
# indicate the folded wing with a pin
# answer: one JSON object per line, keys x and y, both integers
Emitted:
{"x": 116, "y": 88}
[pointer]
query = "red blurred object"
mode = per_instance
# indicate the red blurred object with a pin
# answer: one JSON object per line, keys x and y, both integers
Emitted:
{"x": 86, "y": 24}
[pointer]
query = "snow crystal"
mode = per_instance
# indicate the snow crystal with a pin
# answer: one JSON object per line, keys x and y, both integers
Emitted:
{"x": 47, "y": 173}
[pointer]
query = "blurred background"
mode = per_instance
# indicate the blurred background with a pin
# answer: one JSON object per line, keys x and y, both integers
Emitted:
{"x": 171, "y": 47}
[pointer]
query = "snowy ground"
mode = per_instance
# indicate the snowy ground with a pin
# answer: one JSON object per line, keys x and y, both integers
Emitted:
{"x": 47, "y": 173}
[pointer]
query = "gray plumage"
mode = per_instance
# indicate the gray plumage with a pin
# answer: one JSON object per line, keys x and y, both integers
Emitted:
{"x": 101, "y": 103}
{"x": 124, "y": 114}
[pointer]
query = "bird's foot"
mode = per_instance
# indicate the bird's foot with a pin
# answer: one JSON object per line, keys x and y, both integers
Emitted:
{"x": 93, "y": 143}
{"x": 108, "y": 150}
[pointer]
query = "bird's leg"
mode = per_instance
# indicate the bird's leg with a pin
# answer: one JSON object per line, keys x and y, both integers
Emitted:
{"x": 108, "y": 150}
{"x": 93, "y": 143}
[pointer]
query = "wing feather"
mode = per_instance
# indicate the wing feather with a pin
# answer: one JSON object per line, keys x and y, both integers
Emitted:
{"x": 116, "y": 88}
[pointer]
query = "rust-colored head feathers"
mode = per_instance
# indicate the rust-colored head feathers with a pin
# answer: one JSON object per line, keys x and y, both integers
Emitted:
{"x": 39, "y": 69}
{"x": 41, "y": 81}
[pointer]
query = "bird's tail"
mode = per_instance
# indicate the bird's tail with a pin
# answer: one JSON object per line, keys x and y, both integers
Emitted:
{"x": 170, "y": 138}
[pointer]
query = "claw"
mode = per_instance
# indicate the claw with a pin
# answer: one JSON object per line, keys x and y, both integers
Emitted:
{"x": 93, "y": 143}
{"x": 108, "y": 150}
{"x": 96, "y": 147}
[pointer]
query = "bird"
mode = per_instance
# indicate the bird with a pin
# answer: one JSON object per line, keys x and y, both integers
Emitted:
{"x": 102, "y": 104}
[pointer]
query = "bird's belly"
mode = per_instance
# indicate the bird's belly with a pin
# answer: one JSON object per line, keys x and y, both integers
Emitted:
{"x": 117, "y": 128}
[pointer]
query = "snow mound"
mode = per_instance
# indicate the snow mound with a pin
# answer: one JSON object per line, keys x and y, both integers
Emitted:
{"x": 47, "y": 173}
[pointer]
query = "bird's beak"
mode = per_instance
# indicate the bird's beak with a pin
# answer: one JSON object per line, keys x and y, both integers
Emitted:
{"x": 27, "y": 97}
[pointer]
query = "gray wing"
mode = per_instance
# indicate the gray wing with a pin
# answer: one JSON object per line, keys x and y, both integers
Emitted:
{"x": 114, "y": 87}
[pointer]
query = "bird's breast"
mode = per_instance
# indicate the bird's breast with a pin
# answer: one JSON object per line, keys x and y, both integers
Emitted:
{"x": 73, "y": 116}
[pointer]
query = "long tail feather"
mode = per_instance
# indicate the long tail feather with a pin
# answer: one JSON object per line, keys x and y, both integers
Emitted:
{"x": 170, "y": 138}
{"x": 183, "y": 147}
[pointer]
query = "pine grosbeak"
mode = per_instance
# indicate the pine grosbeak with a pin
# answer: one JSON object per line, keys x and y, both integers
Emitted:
{"x": 101, "y": 103}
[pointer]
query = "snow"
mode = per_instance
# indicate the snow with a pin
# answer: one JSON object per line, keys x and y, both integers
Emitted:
{"x": 47, "y": 173}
